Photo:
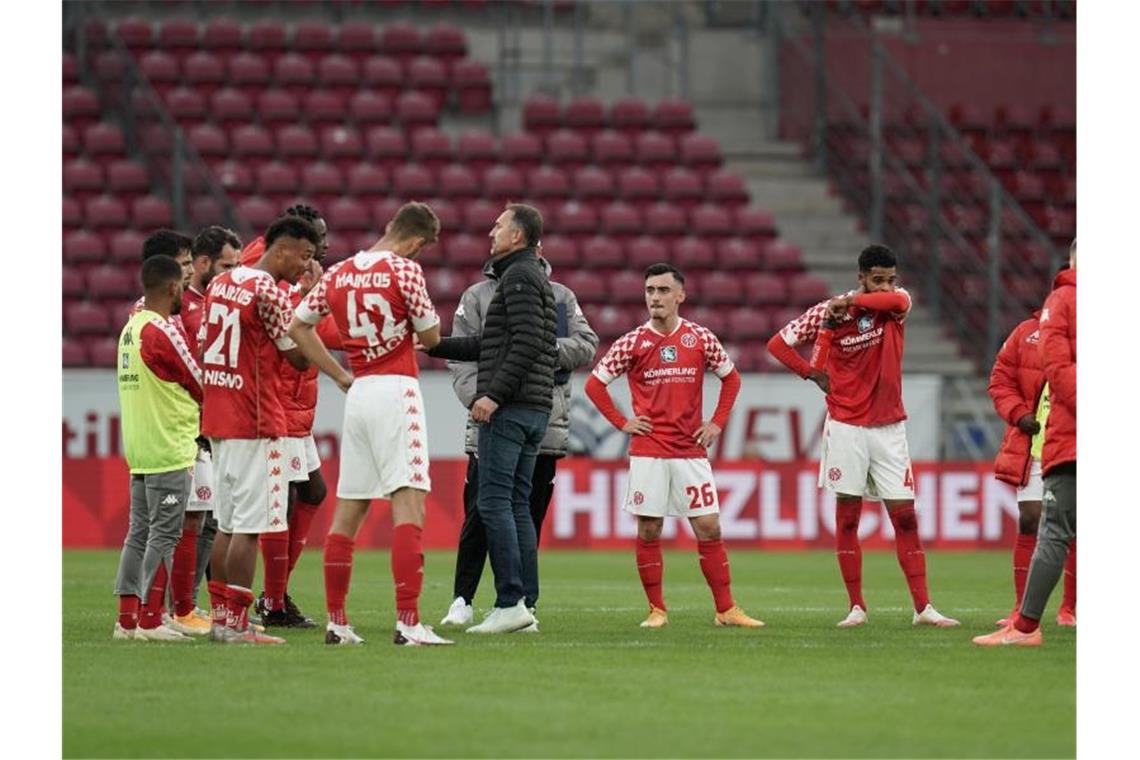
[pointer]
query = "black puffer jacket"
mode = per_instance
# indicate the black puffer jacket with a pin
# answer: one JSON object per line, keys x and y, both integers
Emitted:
{"x": 518, "y": 350}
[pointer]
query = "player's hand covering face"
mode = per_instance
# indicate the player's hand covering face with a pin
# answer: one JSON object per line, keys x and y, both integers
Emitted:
{"x": 879, "y": 280}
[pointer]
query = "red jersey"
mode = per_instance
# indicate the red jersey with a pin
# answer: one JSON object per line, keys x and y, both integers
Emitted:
{"x": 666, "y": 383}
{"x": 376, "y": 299}
{"x": 246, "y": 316}
{"x": 175, "y": 319}
{"x": 192, "y": 302}
{"x": 298, "y": 388}
{"x": 864, "y": 368}
{"x": 163, "y": 350}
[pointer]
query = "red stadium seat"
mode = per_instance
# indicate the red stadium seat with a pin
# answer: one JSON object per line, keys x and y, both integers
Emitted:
{"x": 429, "y": 76}
{"x": 386, "y": 146}
{"x": 806, "y": 290}
{"x": 416, "y": 109}
{"x": 161, "y": 70}
{"x": 503, "y": 183}
{"x": 450, "y": 218}
{"x": 665, "y": 220}
{"x": 80, "y": 107}
{"x": 655, "y": 149}
{"x": 472, "y": 84}
{"x": 600, "y": 252}
{"x": 127, "y": 179}
{"x": 74, "y": 285}
{"x": 610, "y": 149}
{"x": 739, "y": 253}
{"x": 718, "y": 288}
{"x": 585, "y": 114}
{"x": 384, "y": 210}
{"x": 364, "y": 181}
{"x": 252, "y": 143}
{"x": 277, "y": 181}
{"x": 383, "y": 74}
{"x": 627, "y": 287}
{"x": 645, "y": 250}
{"x": 86, "y": 318}
{"x": 541, "y": 114}
{"x": 782, "y": 256}
{"x": 275, "y": 106}
{"x": 70, "y": 69}
{"x": 432, "y": 148}
{"x": 629, "y": 115}
{"x": 713, "y": 319}
{"x": 324, "y": 107}
{"x": 477, "y": 149}
{"x": 683, "y": 187}
{"x": 700, "y": 152}
{"x": 125, "y": 247}
{"x": 479, "y": 216}
{"x": 313, "y": 39}
{"x": 366, "y": 108}
{"x": 357, "y": 39}
{"x": 747, "y": 324}
{"x": 621, "y": 219}
{"x": 727, "y": 188}
{"x": 230, "y": 106}
{"x": 258, "y": 212}
{"x": 638, "y": 186}
{"x": 105, "y": 212}
{"x": 249, "y": 71}
{"x": 296, "y": 142}
{"x": 1000, "y": 154}
{"x": 548, "y": 182}
{"x": 710, "y": 221}
{"x": 587, "y": 286}
{"x": 347, "y": 215}
{"x": 593, "y": 184}
{"x": 445, "y": 284}
{"x": 104, "y": 352}
{"x": 223, "y": 36}
{"x": 445, "y": 42}
{"x": 764, "y": 289}
{"x": 74, "y": 353}
{"x": 562, "y": 252}
{"x": 413, "y": 181}
{"x": 575, "y": 219}
{"x": 72, "y": 212}
{"x": 673, "y": 116}
{"x": 83, "y": 247}
{"x": 457, "y": 181}
{"x": 567, "y": 148}
{"x": 522, "y": 150}
{"x": 341, "y": 145}
{"x": 294, "y": 73}
{"x": 110, "y": 282}
{"x": 137, "y": 33}
{"x": 268, "y": 38}
{"x": 70, "y": 142}
{"x": 755, "y": 222}
{"x": 1026, "y": 186}
{"x": 692, "y": 254}
{"x": 968, "y": 117}
{"x": 186, "y": 105}
{"x": 401, "y": 41}
{"x": 83, "y": 179}
{"x": 467, "y": 250}
{"x": 178, "y": 36}
{"x": 610, "y": 322}
{"x": 151, "y": 212}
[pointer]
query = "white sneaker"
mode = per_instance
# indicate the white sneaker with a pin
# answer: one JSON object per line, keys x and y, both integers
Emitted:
{"x": 533, "y": 627}
{"x": 931, "y": 616}
{"x": 505, "y": 620}
{"x": 341, "y": 634}
{"x": 418, "y": 635}
{"x": 857, "y": 616}
{"x": 119, "y": 633}
{"x": 160, "y": 633}
{"x": 459, "y": 613}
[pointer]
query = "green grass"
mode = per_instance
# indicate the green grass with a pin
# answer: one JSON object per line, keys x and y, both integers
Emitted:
{"x": 592, "y": 683}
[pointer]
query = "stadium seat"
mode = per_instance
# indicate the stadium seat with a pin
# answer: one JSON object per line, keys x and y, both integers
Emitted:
{"x": 638, "y": 186}
{"x": 457, "y": 181}
{"x": 85, "y": 317}
{"x": 754, "y": 222}
{"x": 248, "y": 71}
{"x": 223, "y": 36}
{"x": 151, "y": 212}
{"x": 347, "y": 215}
{"x": 665, "y": 220}
{"x": 70, "y": 142}
{"x": 136, "y": 33}
{"x": 278, "y": 107}
{"x": 727, "y": 188}
{"x": 713, "y": 319}
{"x": 522, "y": 150}
{"x": 711, "y": 221}
{"x": 367, "y": 108}
{"x": 739, "y": 254}
{"x": 629, "y": 115}
{"x": 386, "y": 146}
{"x": 70, "y": 69}
{"x": 230, "y": 107}
{"x": 445, "y": 42}
{"x": 683, "y": 187}
{"x": 655, "y": 150}
{"x": 477, "y": 149}
{"x": 109, "y": 282}
{"x": 413, "y": 181}
{"x": 178, "y": 36}
{"x": 431, "y": 147}
{"x": 782, "y": 256}
{"x": 104, "y": 351}
{"x": 806, "y": 290}
{"x": 384, "y": 75}
{"x": 80, "y": 107}
{"x": 585, "y": 114}
{"x": 700, "y": 153}
{"x": 161, "y": 70}
{"x": 472, "y": 85}
{"x": 502, "y": 183}
{"x": 548, "y": 182}
{"x": 357, "y": 39}
{"x": 692, "y": 254}
{"x": 365, "y": 180}
{"x": 600, "y": 252}
{"x": 252, "y": 143}
{"x": 415, "y": 109}
{"x": 746, "y": 324}
{"x": 294, "y": 73}
{"x": 72, "y": 212}
{"x": 204, "y": 71}
{"x": 627, "y": 287}
{"x": 479, "y": 216}
{"x": 383, "y": 210}
{"x": 105, "y": 212}
{"x": 562, "y": 252}
{"x": 127, "y": 179}
{"x": 186, "y": 105}
{"x": 313, "y": 39}
{"x": 1026, "y": 186}
{"x": 125, "y": 247}
{"x": 720, "y": 288}
{"x": 765, "y": 289}
{"x": 574, "y": 219}
{"x": 450, "y": 218}
{"x": 296, "y": 142}
{"x": 541, "y": 114}
{"x": 324, "y": 108}
{"x": 429, "y": 76}
{"x": 467, "y": 250}
{"x": 74, "y": 353}
{"x": 645, "y": 250}
{"x": 611, "y": 149}
{"x": 610, "y": 322}
{"x": 83, "y": 179}
{"x": 74, "y": 285}
{"x": 593, "y": 185}
{"x": 83, "y": 247}
{"x": 401, "y": 41}
{"x": 341, "y": 145}
{"x": 621, "y": 219}
{"x": 673, "y": 116}
{"x": 257, "y": 212}
{"x": 587, "y": 286}
{"x": 445, "y": 284}
{"x": 277, "y": 181}
{"x": 567, "y": 148}
{"x": 268, "y": 38}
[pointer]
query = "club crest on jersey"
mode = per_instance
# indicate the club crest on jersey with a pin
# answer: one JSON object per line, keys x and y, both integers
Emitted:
{"x": 688, "y": 340}
{"x": 669, "y": 354}
{"x": 866, "y": 322}
{"x": 1033, "y": 337}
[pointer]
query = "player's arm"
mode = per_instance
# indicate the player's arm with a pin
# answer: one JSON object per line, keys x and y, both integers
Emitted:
{"x": 302, "y": 329}
{"x": 717, "y": 362}
{"x": 576, "y": 349}
{"x": 802, "y": 329}
{"x": 1056, "y": 355}
{"x": 896, "y": 301}
{"x": 468, "y": 320}
{"x": 613, "y": 365}
{"x": 165, "y": 353}
{"x": 1005, "y": 390}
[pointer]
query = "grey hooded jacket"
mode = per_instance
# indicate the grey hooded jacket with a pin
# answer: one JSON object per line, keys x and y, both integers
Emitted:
{"x": 577, "y": 343}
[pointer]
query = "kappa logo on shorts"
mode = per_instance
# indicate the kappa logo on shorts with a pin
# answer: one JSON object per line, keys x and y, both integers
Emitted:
{"x": 866, "y": 322}
{"x": 409, "y": 393}
{"x": 204, "y": 493}
{"x": 274, "y": 454}
{"x": 834, "y": 474}
{"x": 275, "y": 521}
{"x": 688, "y": 340}
{"x": 669, "y": 354}
{"x": 413, "y": 410}
{"x": 275, "y": 471}
{"x": 417, "y": 461}
{"x": 170, "y": 500}
{"x": 416, "y": 445}
{"x": 295, "y": 463}
{"x": 638, "y": 498}
{"x": 414, "y": 427}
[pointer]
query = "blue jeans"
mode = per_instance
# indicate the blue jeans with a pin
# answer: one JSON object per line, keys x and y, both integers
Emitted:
{"x": 508, "y": 447}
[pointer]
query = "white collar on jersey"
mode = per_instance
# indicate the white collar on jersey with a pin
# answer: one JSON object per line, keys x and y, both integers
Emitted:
{"x": 369, "y": 259}
{"x": 680, "y": 324}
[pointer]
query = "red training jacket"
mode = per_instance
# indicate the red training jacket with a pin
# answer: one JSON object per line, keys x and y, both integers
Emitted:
{"x": 1059, "y": 356}
{"x": 1016, "y": 382}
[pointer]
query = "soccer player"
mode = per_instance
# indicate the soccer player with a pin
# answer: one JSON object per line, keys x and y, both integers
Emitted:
{"x": 864, "y": 450}
{"x": 246, "y": 316}
{"x": 214, "y": 250}
{"x": 576, "y": 346}
{"x": 669, "y": 472}
{"x": 1058, "y": 348}
{"x": 1017, "y": 384}
{"x": 378, "y": 301}
{"x": 159, "y": 392}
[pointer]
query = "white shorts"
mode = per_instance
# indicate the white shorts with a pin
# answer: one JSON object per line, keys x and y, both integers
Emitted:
{"x": 251, "y": 490}
{"x": 1034, "y": 490}
{"x": 201, "y": 484}
{"x": 384, "y": 446}
{"x": 670, "y": 487}
{"x": 302, "y": 458}
{"x": 873, "y": 462}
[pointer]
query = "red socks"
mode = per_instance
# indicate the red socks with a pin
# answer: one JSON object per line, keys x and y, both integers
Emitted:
{"x": 217, "y": 591}
{"x": 407, "y": 559}
{"x": 1022, "y": 555}
{"x": 338, "y": 572}
{"x": 238, "y": 600}
{"x": 182, "y": 573}
{"x": 151, "y": 614}
{"x": 651, "y": 568}
{"x": 299, "y": 524}
{"x": 714, "y": 565}
{"x": 1024, "y": 624}
{"x": 275, "y": 557}
{"x": 129, "y": 611}
{"x": 1069, "y": 600}
{"x": 912, "y": 559}
{"x": 848, "y": 551}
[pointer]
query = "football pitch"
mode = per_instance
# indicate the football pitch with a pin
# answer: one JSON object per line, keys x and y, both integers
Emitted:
{"x": 592, "y": 683}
